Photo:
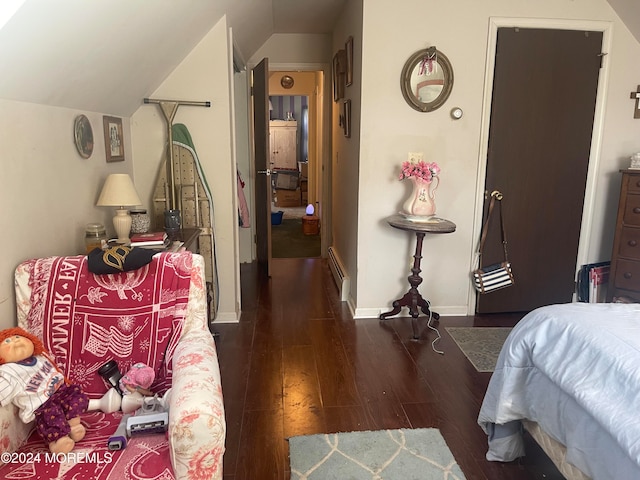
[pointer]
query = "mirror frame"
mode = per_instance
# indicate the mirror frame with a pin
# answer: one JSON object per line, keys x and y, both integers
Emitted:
{"x": 405, "y": 80}
{"x": 83, "y": 136}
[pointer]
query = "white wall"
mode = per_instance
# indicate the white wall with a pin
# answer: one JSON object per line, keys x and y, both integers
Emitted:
{"x": 202, "y": 76}
{"x": 294, "y": 48}
{"x": 390, "y": 129}
{"x": 347, "y": 174}
{"x": 47, "y": 190}
{"x": 629, "y": 10}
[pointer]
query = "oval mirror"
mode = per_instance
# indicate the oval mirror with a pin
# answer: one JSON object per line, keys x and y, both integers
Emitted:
{"x": 427, "y": 80}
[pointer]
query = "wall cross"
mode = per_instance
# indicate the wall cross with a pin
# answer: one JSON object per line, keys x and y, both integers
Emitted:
{"x": 636, "y": 95}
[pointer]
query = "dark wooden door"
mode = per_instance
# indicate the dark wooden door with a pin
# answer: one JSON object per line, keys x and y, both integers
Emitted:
{"x": 542, "y": 111}
{"x": 260, "y": 85}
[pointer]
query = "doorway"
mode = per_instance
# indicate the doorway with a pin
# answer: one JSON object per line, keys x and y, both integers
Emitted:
{"x": 296, "y": 158}
{"x": 539, "y": 144}
{"x": 294, "y": 228}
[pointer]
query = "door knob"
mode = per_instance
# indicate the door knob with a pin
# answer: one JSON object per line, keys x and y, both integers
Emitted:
{"x": 495, "y": 193}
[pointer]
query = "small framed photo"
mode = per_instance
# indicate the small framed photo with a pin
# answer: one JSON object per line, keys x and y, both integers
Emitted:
{"x": 113, "y": 139}
{"x": 349, "y": 54}
{"x": 339, "y": 72}
{"x": 346, "y": 113}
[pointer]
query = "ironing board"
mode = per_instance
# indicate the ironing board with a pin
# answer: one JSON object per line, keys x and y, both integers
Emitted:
{"x": 195, "y": 202}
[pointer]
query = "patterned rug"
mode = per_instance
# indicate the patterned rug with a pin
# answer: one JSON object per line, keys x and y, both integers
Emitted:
{"x": 481, "y": 345}
{"x": 382, "y": 454}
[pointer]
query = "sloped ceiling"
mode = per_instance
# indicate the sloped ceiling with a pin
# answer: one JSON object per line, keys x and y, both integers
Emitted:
{"x": 629, "y": 12}
{"x": 106, "y": 56}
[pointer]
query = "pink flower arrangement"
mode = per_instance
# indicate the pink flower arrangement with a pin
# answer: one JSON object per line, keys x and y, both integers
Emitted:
{"x": 423, "y": 170}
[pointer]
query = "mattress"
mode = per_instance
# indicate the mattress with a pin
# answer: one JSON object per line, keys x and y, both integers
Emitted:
{"x": 573, "y": 370}
{"x": 555, "y": 450}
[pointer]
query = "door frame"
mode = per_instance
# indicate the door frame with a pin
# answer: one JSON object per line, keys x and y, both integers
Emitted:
{"x": 596, "y": 137}
{"x": 323, "y": 167}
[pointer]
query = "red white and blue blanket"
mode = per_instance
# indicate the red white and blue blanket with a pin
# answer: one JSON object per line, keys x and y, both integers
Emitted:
{"x": 86, "y": 319}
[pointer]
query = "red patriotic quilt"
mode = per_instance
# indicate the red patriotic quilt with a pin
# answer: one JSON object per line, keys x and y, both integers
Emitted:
{"x": 145, "y": 457}
{"x": 86, "y": 320}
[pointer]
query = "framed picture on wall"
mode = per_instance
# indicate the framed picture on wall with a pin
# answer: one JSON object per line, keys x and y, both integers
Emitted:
{"x": 339, "y": 73}
{"x": 346, "y": 113}
{"x": 113, "y": 139}
{"x": 349, "y": 61}
{"x": 83, "y": 135}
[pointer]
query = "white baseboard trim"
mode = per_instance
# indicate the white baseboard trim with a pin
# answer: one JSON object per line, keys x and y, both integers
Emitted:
{"x": 352, "y": 306}
{"x": 339, "y": 274}
{"x": 227, "y": 317}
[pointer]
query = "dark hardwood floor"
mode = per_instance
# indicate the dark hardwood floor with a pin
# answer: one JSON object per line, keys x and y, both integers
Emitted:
{"x": 297, "y": 363}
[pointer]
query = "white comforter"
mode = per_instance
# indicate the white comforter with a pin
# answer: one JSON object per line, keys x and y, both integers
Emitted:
{"x": 574, "y": 369}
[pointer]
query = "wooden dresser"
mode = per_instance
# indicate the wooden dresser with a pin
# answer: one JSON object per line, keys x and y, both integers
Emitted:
{"x": 283, "y": 142}
{"x": 624, "y": 282}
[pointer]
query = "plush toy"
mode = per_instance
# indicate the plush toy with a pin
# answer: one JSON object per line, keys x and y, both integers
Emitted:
{"x": 138, "y": 379}
{"x": 30, "y": 379}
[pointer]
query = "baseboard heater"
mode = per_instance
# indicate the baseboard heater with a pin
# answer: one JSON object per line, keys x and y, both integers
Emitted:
{"x": 339, "y": 274}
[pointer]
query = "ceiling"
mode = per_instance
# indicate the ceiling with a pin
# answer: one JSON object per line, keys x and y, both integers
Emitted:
{"x": 629, "y": 12}
{"x": 106, "y": 56}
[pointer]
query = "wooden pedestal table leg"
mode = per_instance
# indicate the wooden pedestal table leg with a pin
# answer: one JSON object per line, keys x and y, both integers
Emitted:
{"x": 412, "y": 299}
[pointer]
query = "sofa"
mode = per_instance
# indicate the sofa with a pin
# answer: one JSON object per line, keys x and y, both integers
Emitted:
{"x": 155, "y": 314}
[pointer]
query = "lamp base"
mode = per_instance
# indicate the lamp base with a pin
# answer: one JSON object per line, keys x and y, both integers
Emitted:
{"x": 122, "y": 224}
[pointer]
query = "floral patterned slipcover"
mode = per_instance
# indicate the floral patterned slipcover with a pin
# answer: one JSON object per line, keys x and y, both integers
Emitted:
{"x": 194, "y": 444}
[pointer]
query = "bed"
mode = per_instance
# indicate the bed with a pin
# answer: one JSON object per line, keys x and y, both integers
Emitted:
{"x": 570, "y": 374}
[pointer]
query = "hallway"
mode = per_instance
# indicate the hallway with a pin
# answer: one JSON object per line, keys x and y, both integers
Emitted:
{"x": 288, "y": 236}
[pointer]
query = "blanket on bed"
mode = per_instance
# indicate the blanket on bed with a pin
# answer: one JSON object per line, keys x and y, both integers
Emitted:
{"x": 574, "y": 369}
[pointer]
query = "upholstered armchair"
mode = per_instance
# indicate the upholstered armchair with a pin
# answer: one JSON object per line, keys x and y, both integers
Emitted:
{"x": 156, "y": 315}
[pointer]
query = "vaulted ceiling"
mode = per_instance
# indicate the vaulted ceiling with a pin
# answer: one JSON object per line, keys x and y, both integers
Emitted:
{"x": 105, "y": 56}
{"x": 629, "y": 12}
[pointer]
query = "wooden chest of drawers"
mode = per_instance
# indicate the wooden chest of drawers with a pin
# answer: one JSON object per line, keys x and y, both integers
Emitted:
{"x": 624, "y": 282}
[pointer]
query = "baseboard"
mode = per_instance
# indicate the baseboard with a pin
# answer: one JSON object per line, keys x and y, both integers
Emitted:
{"x": 226, "y": 317}
{"x": 339, "y": 273}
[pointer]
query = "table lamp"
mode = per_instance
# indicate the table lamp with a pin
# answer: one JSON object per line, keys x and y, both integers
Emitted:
{"x": 118, "y": 191}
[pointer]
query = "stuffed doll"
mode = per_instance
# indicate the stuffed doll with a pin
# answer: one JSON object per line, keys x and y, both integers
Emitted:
{"x": 30, "y": 379}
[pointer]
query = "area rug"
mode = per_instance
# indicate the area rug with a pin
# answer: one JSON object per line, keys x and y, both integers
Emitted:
{"x": 481, "y": 345}
{"x": 289, "y": 241}
{"x": 406, "y": 454}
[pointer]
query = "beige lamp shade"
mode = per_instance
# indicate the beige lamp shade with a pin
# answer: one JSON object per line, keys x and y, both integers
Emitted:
{"x": 118, "y": 191}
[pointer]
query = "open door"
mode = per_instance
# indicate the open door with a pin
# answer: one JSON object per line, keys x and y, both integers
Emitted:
{"x": 262, "y": 167}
